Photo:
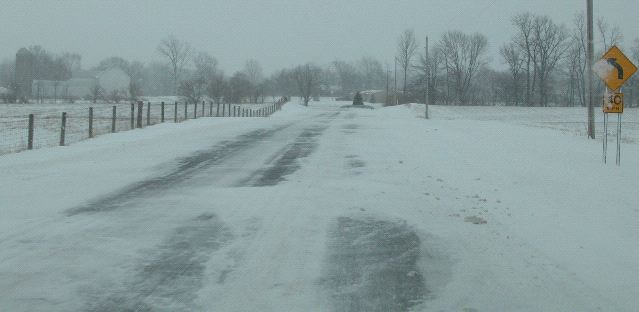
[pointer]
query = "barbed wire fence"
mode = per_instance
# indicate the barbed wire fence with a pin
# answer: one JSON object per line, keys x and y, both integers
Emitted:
{"x": 65, "y": 124}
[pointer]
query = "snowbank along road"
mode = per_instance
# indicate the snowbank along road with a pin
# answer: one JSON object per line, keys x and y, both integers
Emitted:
{"x": 315, "y": 209}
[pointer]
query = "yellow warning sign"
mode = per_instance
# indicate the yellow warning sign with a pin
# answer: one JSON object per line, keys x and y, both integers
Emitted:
{"x": 614, "y": 68}
{"x": 613, "y": 103}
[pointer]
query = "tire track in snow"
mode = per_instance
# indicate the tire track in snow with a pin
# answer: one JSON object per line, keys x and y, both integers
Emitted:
{"x": 287, "y": 162}
{"x": 372, "y": 265}
{"x": 186, "y": 168}
{"x": 170, "y": 276}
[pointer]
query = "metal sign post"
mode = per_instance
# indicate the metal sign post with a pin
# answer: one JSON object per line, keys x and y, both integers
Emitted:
{"x": 605, "y": 138}
{"x": 614, "y": 68}
{"x": 612, "y": 104}
{"x": 618, "y": 162}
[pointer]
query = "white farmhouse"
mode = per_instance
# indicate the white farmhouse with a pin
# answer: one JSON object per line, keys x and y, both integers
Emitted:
{"x": 82, "y": 84}
{"x": 4, "y": 91}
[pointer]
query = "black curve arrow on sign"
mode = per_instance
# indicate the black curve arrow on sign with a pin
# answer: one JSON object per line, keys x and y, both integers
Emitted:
{"x": 613, "y": 61}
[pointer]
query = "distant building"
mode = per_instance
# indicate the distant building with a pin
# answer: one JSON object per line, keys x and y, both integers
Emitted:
{"x": 24, "y": 73}
{"x": 6, "y": 95}
{"x": 82, "y": 84}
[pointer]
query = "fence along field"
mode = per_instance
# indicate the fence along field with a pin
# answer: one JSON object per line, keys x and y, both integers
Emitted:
{"x": 47, "y": 119}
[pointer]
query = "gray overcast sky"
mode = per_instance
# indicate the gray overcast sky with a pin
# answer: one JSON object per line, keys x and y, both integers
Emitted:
{"x": 278, "y": 33}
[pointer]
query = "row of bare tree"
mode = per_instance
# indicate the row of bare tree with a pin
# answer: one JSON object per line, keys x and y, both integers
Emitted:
{"x": 546, "y": 65}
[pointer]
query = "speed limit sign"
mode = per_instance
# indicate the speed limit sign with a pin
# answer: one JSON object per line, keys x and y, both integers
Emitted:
{"x": 613, "y": 103}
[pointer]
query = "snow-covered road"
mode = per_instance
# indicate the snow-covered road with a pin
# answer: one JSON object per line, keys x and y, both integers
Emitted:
{"x": 317, "y": 209}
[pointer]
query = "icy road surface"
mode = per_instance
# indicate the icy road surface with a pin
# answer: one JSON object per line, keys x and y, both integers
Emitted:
{"x": 316, "y": 209}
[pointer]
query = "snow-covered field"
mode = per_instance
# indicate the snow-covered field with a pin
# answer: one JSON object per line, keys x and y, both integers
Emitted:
{"x": 566, "y": 119}
{"x": 325, "y": 209}
{"x": 14, "y": 120}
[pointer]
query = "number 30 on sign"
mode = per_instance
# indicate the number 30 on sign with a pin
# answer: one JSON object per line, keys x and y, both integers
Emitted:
{"x": 613, "y": 103}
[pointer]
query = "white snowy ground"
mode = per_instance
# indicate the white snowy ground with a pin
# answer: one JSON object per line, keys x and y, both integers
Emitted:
{"x": 560, "y": 232}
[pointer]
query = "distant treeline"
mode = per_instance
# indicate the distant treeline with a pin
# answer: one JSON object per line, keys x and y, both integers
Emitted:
{"x": 544, "y": 65}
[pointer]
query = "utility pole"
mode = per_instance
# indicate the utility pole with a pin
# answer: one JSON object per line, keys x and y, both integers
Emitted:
{"x": 396, "y": 100}
{"x": 387, "y": 102}
{"x": 589, "y": 83}
{"x": 427, "y": 92}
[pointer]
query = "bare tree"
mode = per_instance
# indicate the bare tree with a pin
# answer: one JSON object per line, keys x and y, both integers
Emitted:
{"x": 610, "y": 35}
{"x": 347, "y": 77}
{"x": 372, "y": 73}
{"x": 551, "y": 45}
{"x": 464, "y": 55}
{"x": 307, "y": 78}
{"x": 217, "y": 87}
{"x": 59, "y": 72}
{"x": 7, "y": 72}
{"x": 577, "y": 62}
{"x": 111, "y": 62}
{"x": 524, "y": 38}
{"x": 192, "y": 89}
{"x": 206, "y": 66}
{"x": 513, "y": 57}
{"x": 239, "y": 88}
{"x": 178, "y": 53}
{"x": 427, "y": 73}
{"x": 283, "y": 82}
{"x": 96, "y": 92}
{"x": 73, "y": 61}
{"x": 253, "y": 71}
{"x": 116, "y": 96}
{"x": 134, "y": 91}
{"x": 406, "y": 47}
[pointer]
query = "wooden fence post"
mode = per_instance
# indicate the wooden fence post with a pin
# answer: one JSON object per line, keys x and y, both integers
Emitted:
{"x": 186, "y": 110}
{"x": 148, "y": 113}
{"x": 211, "y": 109}
{"x": 113, "y": 117}
{"x": 30, "y": 133}
{"x": 217, "y": 112}
{"x": 203, "y": 105}
{"x": 223, "y": 109}
{"x": 162, "y": 113}
{"x": 132, "y": 116}
{"x": 195, "y": 110}
{"x": 175, "y": 113}
{"x": 90, "y": 122}
{"x": 63, "y": 127}
{"x": 140, "y": 108}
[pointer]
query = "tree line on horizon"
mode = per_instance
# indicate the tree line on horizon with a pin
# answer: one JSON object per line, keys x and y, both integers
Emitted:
{"x": 545, "y": 65}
